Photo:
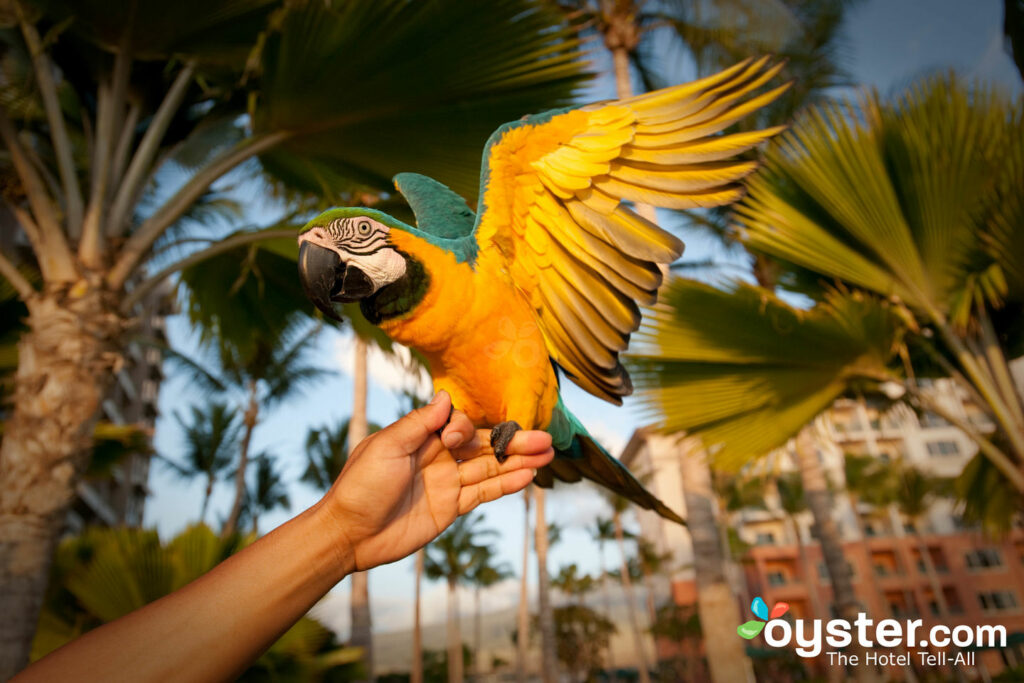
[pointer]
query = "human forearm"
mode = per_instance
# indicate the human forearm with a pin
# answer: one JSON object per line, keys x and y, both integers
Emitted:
{"x": 216, "y": 626}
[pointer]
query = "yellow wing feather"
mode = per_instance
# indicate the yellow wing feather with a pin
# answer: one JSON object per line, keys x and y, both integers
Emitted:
{"x": 553, "y": 219}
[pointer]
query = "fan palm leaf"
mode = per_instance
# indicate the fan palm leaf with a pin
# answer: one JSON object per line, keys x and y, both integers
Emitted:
{"x": 746, "y": 371}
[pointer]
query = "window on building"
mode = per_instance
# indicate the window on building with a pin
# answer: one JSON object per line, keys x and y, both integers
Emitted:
{"x": 776, "y": 579}
{"x": 765, "y": 538}
{"x": 984, "y": 558}
{"x": 942, "y": 448}
{"x": 929, "y": 419}
{"x": 997, "y": 601}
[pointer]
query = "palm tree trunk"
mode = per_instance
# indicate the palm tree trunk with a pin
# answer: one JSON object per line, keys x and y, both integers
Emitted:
{"x": 206, "y": 498}
{"x": 65, "y": 365}
{"x": 523, "y": 631}
{"x": 362, "y": 623}
{"x": 548, "y": 672}
{"x": 416, "y": 673}
{"x": 607, "y": 603}
{"x": 719, "y": 614}
{"x": 478, "y": 670}
{"x": 251, "y": 416}
{"x": 820, "y": 505}
{"x": 806, "y": 568}
{"x": 454, "y": 635}
{"x": 643, "y": 665}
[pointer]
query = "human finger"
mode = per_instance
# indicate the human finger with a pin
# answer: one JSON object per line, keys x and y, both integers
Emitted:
{"x": 474, "y": 471}
{"x": 410, "y": 431}
{"x": 526, "y": 442}
{"x": 493, "y": 489}
{"x": 458, "y": 431}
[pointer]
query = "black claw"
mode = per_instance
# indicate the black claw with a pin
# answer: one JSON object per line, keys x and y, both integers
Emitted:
{"x": 501, "y": 435}
{"x": 451, "y": 411}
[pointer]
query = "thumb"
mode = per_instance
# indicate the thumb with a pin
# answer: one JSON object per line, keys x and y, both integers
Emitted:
{"x": 413, "y": 429}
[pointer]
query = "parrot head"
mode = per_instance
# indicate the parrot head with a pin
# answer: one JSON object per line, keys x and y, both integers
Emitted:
{"x": 346, "y": 255}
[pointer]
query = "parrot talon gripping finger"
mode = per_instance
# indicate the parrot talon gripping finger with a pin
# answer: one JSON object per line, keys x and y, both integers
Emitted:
{"x": 501, "y": 435}
{"x": 451, "y": 411}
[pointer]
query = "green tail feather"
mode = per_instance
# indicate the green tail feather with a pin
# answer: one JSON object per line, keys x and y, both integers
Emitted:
{"x": 578, "y": 456}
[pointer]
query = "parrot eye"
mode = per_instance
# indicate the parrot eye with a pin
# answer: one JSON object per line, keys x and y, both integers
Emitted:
{"x": 364, "y": 228}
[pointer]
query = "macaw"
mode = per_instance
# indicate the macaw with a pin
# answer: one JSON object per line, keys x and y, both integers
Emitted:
{"x": 547, "y": 275}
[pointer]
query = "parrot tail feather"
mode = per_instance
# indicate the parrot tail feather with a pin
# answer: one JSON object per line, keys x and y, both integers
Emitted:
{"x": 586, "y": 459}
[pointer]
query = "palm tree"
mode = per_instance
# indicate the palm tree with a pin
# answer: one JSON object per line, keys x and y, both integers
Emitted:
{"x": 545, "y": 617}
{"x": 416, "y": 673}
{"x": 211, "y": 437}
{"x": 523, "y": 615}
{"x": 620, "y": 505}
{"x": 652, "y": 564}
{"x": 327, "y": 451}
{"x": 865, "y": 479}
{"x": 602, "y": 531}
{"x": 358, "y": 429}
{"x": 914, "y": 492}
{"x": 269, "y": 376}
{"x": 326, "y": 454}
{"x": 453, "y": 557}
{"x": 790, "y": 488}
{"x": 911, "y": 234}
{"x": 716, "y": 604}
{"x": 99, "y": 107}
{"x": 484, "y": 574}
{"x": 268, "y": 491}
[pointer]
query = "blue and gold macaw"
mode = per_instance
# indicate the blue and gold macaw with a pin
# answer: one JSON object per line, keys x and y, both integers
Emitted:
{"x": 548, "y": 274}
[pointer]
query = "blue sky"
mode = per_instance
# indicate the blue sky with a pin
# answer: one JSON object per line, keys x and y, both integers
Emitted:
{"x": 890, "y": 43}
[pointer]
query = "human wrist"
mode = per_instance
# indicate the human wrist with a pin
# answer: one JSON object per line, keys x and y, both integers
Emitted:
{"x": 338, "y": 538}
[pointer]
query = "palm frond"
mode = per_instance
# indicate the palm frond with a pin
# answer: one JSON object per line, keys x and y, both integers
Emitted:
{"x": 370, "y": 110}
{"x": 746, "y": 371}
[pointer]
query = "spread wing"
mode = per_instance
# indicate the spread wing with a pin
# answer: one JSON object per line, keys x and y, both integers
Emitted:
{"x": 552, "y": 215}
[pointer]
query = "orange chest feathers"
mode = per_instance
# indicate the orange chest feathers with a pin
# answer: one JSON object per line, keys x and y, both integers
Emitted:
{"x": 480, "y": 338}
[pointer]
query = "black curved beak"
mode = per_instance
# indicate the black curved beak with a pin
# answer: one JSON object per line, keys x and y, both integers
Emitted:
{"x": 327, "y": 279}
{"x": 318, "y": 270}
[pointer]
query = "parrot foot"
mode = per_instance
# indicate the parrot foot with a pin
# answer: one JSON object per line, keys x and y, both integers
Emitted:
{"x": 451, "y": 411}
{"x": 501, "y": 435}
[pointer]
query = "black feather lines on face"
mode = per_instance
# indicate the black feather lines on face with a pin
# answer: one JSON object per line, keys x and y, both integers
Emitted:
{"x": 358, "y": 235}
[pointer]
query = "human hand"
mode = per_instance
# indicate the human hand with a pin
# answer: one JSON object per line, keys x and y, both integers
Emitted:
{"x": 402, "y": 486}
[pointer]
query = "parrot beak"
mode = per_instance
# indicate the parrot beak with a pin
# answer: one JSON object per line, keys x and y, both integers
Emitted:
{"x": 327, "y": 279}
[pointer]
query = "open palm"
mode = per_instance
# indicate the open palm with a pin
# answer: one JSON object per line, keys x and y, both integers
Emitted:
{"x": 403, "y": 486}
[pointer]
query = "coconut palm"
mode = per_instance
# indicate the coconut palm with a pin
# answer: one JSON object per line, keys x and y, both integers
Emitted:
{"x": 416, "y": 672}
{"x": 101, "y": 98}
{"x": 603, "y": 531}
{"x": 327, "y": 451}
{"x": 652, "y": 564}
{"x": 716, "y": 604}
{"x": 211, "y": 438}
{"x": 545, "y": 613}
{"x": 619, "y": 505}
{"x": 267, "y": 492}
{"x": 913, "y": 491}
{"x": 483, "y": 575}
{"x": 523, "y": 612}
{"x": 452, "y": 557}
{"x": 790, "y": 488}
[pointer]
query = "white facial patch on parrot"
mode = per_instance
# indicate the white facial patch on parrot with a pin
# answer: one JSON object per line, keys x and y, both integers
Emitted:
{"x": 382, "y": 267}
{"x": 362, "y": 242}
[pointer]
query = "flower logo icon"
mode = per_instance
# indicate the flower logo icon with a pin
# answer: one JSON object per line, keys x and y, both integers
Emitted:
{"x": 760, "y": 610}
